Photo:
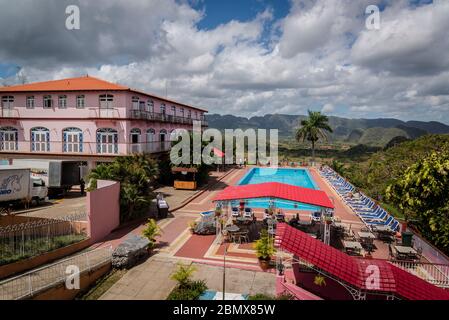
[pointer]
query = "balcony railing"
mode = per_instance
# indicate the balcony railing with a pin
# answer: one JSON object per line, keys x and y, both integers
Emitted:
{"x": 114, "y": 113}
{"x": 145, "y": 115}
{"x": 436, "y": 274}
{"x": 91, "y": 148}
{"x": 9, "y": 113}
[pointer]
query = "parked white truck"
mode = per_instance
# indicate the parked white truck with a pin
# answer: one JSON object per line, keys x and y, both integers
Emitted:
{"x": 17, "y": 185}
{"x": 59, "y": 175}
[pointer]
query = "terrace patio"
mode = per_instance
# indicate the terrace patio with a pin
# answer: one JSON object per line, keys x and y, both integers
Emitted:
{"x": 179, "y": 243}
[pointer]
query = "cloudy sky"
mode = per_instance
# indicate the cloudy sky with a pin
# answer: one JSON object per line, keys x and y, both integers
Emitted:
{"x": 246, "y": 57}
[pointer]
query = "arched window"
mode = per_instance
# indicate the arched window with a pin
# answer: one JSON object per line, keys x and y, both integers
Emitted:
{"x": 106, "y": 101}
{"x": 40, "y": 139}
{"x": 8, "y": 139}
{"x": 72, "y": 140}
{"x": 107, "y": 141}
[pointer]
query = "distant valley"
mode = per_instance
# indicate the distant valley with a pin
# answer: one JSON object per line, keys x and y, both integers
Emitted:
{"x": 376, "y": 132}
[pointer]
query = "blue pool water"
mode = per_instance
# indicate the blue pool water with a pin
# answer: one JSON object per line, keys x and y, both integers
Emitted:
{"x": 295, "y": 177}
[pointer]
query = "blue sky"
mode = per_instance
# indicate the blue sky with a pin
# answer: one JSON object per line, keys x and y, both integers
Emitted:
{"x": 219, "y": 12}
{"x": 224, "y": 56}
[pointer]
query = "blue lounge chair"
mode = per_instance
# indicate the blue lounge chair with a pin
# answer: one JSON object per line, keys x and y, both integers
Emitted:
{"x": 395, "y": 226}
{"x": 381, "y": 223}
{"x": 379, "y": 217}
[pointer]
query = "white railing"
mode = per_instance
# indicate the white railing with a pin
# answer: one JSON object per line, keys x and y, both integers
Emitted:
{"x": 436, "y": 274}
{"x": 31, "y": 283}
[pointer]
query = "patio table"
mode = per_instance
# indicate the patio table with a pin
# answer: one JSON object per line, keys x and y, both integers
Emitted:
{"x": 382, "y": 229}
{"x": 352, "y": 245}
{"x": 232, "y": 228}
{"x": 341, "y": 225}
{"x": 405, "y": 250}
{"x": 366, "y": 235}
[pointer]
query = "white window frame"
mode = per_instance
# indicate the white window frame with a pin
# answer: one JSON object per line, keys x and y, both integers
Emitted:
{"x": 8, "y": 102}
{"x": 73, "y": 142}
{"x": 40, "y": 145}
{"x": 150, "y": 106}
{"x": 9, "y": 144}
{"x": 62, "y": 102}
{"x": 135, "y": 103}
{"x": 107, "y": 144}
{"x": 30, "y": 102}
{"x": 47, "y": 102}
{"x": 80, "y": 101}
{"x": 106, "y": 101}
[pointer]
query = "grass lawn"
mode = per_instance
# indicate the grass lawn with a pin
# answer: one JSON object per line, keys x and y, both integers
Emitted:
{"x": 103, "y": 284}
{"x": 35, "y": 247}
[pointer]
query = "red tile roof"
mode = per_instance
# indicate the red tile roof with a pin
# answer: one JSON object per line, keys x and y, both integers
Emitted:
{"x": 276, "y": 190}
{"x": 86, "y": 83}
{"x": 71, "y": 84}
{"x": 353, "y": 271}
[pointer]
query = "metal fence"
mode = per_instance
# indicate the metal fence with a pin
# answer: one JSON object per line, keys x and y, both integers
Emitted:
{"x": 38, "y": 280}
{"x": 436, "y": 274}
{"x": 38, "y": 235}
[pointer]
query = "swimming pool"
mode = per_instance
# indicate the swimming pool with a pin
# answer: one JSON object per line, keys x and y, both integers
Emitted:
{"x": 295, "y": 177}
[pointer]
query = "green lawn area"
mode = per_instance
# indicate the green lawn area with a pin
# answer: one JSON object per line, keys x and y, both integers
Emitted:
{"x": 103, "y": 284}
{"x": 35, "y": 247}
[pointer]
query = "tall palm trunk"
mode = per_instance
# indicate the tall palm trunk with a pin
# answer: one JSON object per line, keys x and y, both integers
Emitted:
{"x": 313, "y": 152}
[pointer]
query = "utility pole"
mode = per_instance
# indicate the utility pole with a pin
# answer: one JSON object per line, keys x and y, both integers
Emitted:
{"x": 224, "y": 269}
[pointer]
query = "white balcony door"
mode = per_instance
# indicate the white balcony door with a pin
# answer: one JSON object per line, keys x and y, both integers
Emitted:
{"x": 107, "y": 142}
{"x": 135, "y": 142}
{"x": 151, "y": 139}
{"x": 73, "y": 142}
{"x": 9, "y": 141}
{"x": 40, "y": 141}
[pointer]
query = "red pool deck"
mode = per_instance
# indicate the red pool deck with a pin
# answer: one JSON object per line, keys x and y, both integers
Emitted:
{"x": 175, "y": 230}
{"x": 197, "y": 246}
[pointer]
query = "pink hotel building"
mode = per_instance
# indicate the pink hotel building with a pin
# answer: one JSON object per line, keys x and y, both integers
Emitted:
{"x": 87, "y": 119}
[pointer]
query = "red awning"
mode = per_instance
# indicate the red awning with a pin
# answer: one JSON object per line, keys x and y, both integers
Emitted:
{"x": 276, "y": 190}
{"x": 353, "y": 271}
{"x": 218, "y": 152}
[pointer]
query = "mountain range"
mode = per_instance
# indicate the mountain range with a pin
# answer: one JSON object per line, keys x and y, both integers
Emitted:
{"x": 376, "y": 132}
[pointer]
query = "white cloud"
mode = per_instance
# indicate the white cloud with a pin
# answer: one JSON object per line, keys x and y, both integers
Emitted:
{"x": 323, "y": 56}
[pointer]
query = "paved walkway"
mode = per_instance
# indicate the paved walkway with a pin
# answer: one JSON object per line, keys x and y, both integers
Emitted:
{"x": 151, "y": 280}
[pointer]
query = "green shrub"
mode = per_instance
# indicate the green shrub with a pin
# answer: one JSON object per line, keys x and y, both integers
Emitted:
{"x": 264, "y": 246}
{"x": 151, "y": 231}
{"x": 191, "y": 290}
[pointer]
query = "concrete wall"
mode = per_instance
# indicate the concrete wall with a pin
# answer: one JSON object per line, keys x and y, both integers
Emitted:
{"x": 60, "y": 292}
{"x": 103, "y": 209}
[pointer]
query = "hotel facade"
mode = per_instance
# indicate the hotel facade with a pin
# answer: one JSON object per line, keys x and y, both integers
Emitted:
{"x": 87, "y": 119}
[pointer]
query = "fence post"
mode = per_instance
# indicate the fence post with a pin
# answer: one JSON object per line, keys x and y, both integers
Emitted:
{"x": 87, "y": 261}
{"x": 30, "y": 284}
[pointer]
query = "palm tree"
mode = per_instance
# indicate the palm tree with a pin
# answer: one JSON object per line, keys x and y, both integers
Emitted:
{"x": 313, "y": 128}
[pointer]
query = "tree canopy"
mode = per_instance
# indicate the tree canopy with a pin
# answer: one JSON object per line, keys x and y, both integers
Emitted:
{"x": 422, "y": 193}
{"x": 313, "y": 129}
{"x": 136, "y": 175}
